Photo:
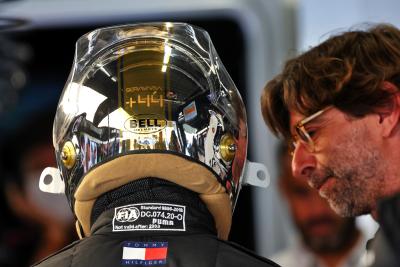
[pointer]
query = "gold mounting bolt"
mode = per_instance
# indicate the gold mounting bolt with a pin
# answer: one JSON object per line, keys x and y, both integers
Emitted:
{"x": 227, "y": 147}
{"x": 68, "y": 155}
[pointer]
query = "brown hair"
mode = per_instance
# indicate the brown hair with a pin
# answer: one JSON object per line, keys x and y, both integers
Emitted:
{"x": 346, "y": 71}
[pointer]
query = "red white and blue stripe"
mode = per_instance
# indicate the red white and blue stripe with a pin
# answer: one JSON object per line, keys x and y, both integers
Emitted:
{"x": 144, "y": 253}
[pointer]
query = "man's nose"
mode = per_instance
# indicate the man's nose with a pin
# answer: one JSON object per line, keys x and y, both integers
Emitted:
{"x": 303, "y": 162}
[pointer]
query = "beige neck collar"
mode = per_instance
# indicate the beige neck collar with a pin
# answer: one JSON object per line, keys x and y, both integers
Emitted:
{"x": 173, "y": 168}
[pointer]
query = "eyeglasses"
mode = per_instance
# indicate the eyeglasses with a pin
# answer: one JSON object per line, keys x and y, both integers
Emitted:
{"x": 302, "y": 135}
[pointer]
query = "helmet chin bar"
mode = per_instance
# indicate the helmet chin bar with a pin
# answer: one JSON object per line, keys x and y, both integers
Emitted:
{"x": 50, "y": 181}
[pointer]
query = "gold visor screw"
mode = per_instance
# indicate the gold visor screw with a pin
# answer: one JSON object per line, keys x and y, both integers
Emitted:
{"x": 227, "y": 147}
{"x": 68, "y": 155}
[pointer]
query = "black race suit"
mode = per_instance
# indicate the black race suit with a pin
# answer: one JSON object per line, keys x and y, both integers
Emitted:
{"x": 185, "y": 234}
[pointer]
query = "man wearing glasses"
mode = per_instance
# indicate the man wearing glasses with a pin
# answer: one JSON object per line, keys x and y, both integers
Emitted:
{"x": 338, "y": 106}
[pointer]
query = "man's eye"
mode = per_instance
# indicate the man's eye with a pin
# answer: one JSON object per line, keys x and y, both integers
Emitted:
{"x": 311, "y": 132}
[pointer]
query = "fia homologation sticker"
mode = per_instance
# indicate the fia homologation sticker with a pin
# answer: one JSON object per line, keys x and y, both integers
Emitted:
{"x": 149, "y": 217}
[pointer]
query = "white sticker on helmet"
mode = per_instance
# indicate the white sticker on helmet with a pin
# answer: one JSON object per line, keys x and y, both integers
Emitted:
{"x": 255, "y": 174}
{"x": 51, "y": 182}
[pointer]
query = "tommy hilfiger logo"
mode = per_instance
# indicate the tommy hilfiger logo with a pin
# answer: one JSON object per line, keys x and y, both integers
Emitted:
{"x": 144, "y": 253}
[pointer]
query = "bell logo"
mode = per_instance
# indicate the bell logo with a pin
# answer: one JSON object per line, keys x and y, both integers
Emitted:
{"x": 128, "y": 214}
{"x": 145, "y": 125}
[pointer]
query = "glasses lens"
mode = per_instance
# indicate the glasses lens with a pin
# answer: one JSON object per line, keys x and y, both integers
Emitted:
{"x": 302, "y": 134}
{"x": 304, "y": 137}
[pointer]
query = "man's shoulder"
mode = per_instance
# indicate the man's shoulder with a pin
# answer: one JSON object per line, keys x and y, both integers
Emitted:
{"x": 60, "y": 258}
{"x": 232, "y": 254}
{"x": 217, "y": 252}
{"x": 379, "y": 250}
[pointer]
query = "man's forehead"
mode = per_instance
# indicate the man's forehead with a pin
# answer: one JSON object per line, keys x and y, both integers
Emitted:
{"x": 295, "y": 117}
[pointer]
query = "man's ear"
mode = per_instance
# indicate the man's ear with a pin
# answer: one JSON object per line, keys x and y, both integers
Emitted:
{"x": 390, "y": 116}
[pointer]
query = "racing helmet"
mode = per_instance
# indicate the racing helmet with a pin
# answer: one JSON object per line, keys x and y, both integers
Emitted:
{"x": 149, "y": 100}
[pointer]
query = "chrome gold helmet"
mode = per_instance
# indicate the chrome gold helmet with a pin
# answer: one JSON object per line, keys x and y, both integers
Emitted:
{"x": 149, "y": 100}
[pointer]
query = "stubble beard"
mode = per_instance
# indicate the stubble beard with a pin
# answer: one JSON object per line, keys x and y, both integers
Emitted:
{"x": 358, "y": 169}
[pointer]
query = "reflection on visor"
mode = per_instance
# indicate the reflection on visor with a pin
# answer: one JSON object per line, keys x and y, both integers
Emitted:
{"x": 157, "y": 89}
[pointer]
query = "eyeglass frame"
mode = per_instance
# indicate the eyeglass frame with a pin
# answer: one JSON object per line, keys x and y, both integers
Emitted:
{"x": 302, "y": 132}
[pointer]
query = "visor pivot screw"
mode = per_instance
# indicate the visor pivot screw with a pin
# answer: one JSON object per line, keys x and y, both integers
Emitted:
{"x": 227, "y": 147}
{"x": 68, "y": 155}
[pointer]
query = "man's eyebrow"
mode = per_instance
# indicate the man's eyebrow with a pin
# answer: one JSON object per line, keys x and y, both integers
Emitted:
{"x": 320, "y": 120}
{"x": 317, "y": 119}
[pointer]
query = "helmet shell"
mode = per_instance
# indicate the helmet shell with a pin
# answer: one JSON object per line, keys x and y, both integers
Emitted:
{"x": 149, "y": 88}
